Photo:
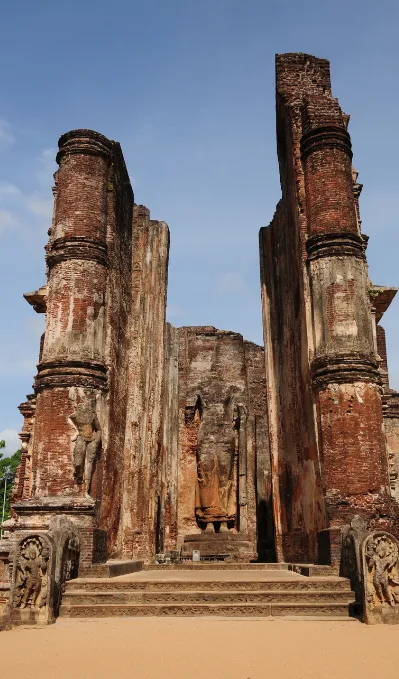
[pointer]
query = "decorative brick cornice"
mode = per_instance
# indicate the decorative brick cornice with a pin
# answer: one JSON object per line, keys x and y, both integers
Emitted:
{"x": 53, "y": 505}
{"x": 89, "y": 374}
{"x": 340, "y": 244}
{"x": 390, "y": 403}
{"x": 77, "y": 247}
{"x": 344, "y": 368}
{"x": 28, "y": 407}
{"x": 325, "y": 137}
{"x": 84, "y": 142}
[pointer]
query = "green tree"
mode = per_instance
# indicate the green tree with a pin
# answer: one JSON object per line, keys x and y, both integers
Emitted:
{"x": 8, "y": 467}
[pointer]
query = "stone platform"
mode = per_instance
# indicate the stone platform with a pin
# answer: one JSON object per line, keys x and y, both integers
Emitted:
{"x": 249, "y": 592}
{"x": 226, "y": 545}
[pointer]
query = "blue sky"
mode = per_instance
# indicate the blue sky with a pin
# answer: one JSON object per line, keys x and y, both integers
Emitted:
{"x": 187, "y": 88}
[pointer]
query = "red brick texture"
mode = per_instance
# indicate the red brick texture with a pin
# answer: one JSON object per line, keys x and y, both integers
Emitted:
{"x": 139, "y": 456}
{"x": 83, "y": 355}
{"x": 322, "y": 368}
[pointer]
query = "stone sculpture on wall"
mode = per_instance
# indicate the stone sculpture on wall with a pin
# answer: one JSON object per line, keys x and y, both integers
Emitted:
{"x": 31, "y": 577}
{"x": 217, "y": 458}
{"x": 86, "y": 439}
{"x": 380, "y": 552}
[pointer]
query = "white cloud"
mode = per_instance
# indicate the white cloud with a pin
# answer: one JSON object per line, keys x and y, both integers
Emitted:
{"x": 17, "y": 206}
{"x": 7, "y": 139}
{"x": 7, "y": 221}
{"x": 39, "y": 206}
{"x": 231, "y": 283}
{"x": 9, "y": 191}
{"x": 13, "y": 442}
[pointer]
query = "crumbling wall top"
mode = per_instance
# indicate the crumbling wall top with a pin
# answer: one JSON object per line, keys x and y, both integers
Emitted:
{"x": 298, "y": 71}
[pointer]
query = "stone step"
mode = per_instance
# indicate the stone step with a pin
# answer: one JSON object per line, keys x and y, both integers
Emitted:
{"x": 83, "y": 597}
{"x": 309, "y": 570}
{"x": 319, "y": 610}
{"x": 217, "y": 566}
{"x": 110, "y": 569}
{"x": 315, "y": 584}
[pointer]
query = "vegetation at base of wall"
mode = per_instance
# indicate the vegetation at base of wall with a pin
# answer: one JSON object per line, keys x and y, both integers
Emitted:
{"x": 8, "y": 468}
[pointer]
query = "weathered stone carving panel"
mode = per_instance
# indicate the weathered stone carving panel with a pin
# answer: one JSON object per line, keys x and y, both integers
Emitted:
{"x": 33, "y": 577}
{"x": 380, "y": 558}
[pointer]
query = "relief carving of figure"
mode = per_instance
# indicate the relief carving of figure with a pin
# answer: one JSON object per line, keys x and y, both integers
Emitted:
{"x": 382, "y": 560}
{"x": 217, "y": 453}
{"x": 87, "y": 440}
{"x": 32, "y": 576}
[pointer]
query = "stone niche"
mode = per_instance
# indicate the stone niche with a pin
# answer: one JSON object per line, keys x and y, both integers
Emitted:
{"x": 380, "y": 565}
{"x": 217, "y": 464}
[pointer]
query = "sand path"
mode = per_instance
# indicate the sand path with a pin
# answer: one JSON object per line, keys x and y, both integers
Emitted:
{"x": 177, "y": 648}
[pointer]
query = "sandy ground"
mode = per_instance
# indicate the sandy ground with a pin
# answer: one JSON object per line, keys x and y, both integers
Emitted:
{"x": 177, "y": 648}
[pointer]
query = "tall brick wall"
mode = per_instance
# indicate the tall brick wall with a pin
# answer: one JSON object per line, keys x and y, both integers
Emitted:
{"x": 259, "y": 507}
{"x": 140, "y": 462}
{"x": 391, "y": 415}
{"x": 108, "y": 478}
{"x": 297, "y": 487}
{"x": 83, "y": 354}
{"x": 324, "y": 403}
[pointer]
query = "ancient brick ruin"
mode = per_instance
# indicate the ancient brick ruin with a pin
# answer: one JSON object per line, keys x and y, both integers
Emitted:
{"x": 325, "y": 350}
{"x": 144, "y": 439}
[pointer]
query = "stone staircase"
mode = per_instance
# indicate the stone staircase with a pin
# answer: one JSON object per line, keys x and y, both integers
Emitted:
{"x": 243, "y": 592}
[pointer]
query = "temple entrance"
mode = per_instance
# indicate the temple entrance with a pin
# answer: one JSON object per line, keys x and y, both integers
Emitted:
{"x": 222, "y": 482}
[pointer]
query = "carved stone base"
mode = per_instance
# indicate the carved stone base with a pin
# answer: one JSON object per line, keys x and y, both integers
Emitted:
{"x": 40, "y": 515}
{"x": 226, "y": 545}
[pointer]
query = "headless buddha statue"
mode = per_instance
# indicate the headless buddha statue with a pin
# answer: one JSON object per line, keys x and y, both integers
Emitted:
{"x": 217, "y": 452}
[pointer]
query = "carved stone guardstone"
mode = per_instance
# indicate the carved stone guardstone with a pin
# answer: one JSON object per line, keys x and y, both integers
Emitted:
{"x": 32, "y": 590}
{"x": 380, "y": 564}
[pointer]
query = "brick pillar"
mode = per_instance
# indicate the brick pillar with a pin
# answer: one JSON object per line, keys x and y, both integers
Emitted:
{"x": 345, "y": 373}
{"x": 23, "y": 479}
{"x": 72, "y": 365}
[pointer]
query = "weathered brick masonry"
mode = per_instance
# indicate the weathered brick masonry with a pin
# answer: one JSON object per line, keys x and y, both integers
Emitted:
{"x": 140, "y": 467}
{"x": 324, "y": 374}
{"x": 143, "y": 438}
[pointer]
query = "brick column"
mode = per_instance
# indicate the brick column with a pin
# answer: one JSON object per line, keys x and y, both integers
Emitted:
{"x": 345, "y": 373}
{"x": 72, "y": 366}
